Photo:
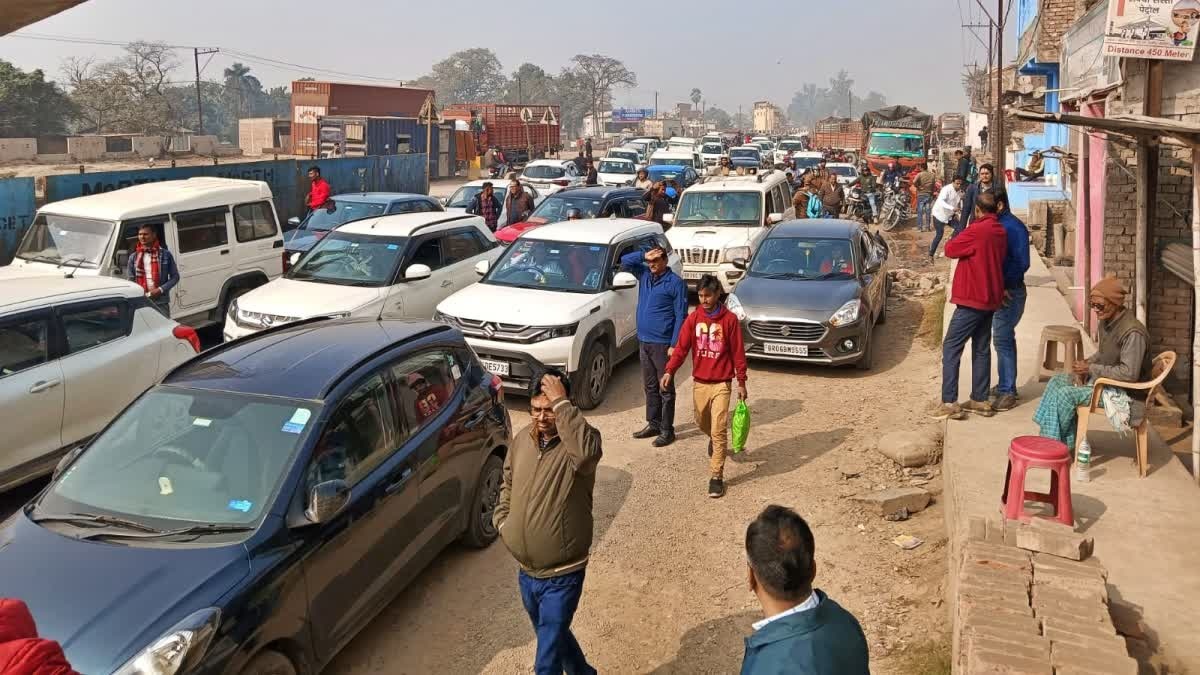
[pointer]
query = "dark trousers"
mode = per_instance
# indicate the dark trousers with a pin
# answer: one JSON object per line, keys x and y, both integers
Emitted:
{"x": 939, "y": 228}
{"x": 1004, "y": 335}
{"x": 551, "y": 604}
{"x": 660, "y": 405}
{"x": 974, "y": 325}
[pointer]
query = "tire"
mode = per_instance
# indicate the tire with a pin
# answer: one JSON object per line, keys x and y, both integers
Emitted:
{"x": 868, "y": 355}
{"x": 591, "y": 380}
{"x": 887, "y": 290}
{"x": 270, "y": 662}
{"x": 480, "y": 531}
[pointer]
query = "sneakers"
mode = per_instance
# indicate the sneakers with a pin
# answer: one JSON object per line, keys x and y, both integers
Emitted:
{"x": 647, "y": 432}
{"x": 1004, "y": 402}
{"x": 716, "y": 488}
{"x": 664, "y": 439}
{"x": 948, "y": 411}
{"x": 981, "y": 408}
{"x": 995, "y": 393}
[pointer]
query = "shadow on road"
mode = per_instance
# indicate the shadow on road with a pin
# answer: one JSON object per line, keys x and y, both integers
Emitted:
{"x": 714, "y": 646}
{"x": 785, "y": 455}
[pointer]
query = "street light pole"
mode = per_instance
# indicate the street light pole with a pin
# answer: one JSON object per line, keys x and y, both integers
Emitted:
{"x": 1000, "y": 145}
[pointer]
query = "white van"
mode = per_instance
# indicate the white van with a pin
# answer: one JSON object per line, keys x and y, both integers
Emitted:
{"x": 223, "y": 232}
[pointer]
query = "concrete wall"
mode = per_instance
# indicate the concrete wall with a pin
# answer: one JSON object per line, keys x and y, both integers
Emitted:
{"x": 148, "y": 146}
{"x": 204, "y": 145}
{"x": 86, "y": 148}
{"x": 17, "y": 149}
{"x": 256, "y": 133}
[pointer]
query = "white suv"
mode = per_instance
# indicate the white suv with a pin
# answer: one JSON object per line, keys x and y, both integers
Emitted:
{"x": 557, "y": 298}
{"x": 398, "y": 266}
{"x": 723, "y": 218}
{"x": 551, "y": 175}
{"x": 73, "y": 353}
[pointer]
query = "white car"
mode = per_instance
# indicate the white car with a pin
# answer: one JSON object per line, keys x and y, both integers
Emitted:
{"x": 644, "y": 146}
{"x": 631, "y": 154}
{"x": 74, "y": 351}
{"x": 398, "y": 266}
{"x": 551, "y": 175}
{"x": 806, "y": 160}
{"x": 846, "y": 173}
{"x": 673, "y": 158}
{"x": 723, "y": 219}
{"x": 786, "y": 148}
{"x": 711, "y": 152}
{"x": 458, "y": 202}
{"x": 557, "y": 298}
{"x": 613, "y": 171}
{"x": 681, "y": 144}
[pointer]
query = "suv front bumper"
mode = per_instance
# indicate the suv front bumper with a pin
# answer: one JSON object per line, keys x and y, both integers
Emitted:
{"x": 523, "y": 360}
{"x": 726, "y": 273}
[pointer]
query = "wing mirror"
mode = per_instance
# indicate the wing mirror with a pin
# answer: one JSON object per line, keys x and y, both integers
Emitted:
{"x": 123, "y": 260}
{"x": 740, "y": 263}
{"x": 624, "y": 280}
{"x": 872, "y": 267}
{"x": 66, "y": 460}
{"x": 292, "y": 223}
{"x": 482, "y": 267}
{"x": 774, "y": 218}
{"x": 417, "y": 272}
{"x": 444, "y": 201}
{"x": 326, "y": 500}
{"x": 669, "y": 218}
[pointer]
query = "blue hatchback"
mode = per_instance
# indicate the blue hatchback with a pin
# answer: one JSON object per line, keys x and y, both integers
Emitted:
{"x": 259, "y": 506}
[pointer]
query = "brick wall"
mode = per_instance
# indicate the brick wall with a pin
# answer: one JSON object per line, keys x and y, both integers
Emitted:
{"x": 1054, "y": 18}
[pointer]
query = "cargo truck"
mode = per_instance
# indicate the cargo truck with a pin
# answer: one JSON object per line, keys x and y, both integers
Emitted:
{"x": 502, "y": 125}
{"x": 838, "y": 133}
{"x": 897, "y": 133}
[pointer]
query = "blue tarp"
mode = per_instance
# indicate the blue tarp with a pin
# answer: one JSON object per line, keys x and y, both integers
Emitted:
{"x": 16, "y": 212}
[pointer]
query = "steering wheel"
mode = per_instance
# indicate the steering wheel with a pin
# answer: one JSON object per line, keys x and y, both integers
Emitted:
{"x": 783, "y": 262}
{"x": 536, "y": 273}
{"x": 173, "y": 454}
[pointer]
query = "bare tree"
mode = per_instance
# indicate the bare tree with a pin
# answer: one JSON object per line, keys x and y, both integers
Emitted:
{"x": 131, "y": 93}
{"x": 599, "y": 74}
{"x": 97, "y": 100}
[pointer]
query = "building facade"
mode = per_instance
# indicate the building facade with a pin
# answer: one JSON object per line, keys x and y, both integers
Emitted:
{"x": 768, "y": 118}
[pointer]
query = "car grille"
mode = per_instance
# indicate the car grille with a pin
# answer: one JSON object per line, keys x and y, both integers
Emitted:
{"x": 492, "y": 330}
{"x": 798, "y": 331}
{"x": 701, "y": 256}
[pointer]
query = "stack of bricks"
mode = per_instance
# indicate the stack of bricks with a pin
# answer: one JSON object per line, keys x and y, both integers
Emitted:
{"x": 1028, "y": 613}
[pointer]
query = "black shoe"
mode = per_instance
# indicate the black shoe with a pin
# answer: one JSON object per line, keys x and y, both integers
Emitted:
{"x": 716, "y": 488}
{"x": 710, "y": 448}
{"x": 648, "y": 431}
{"x": 664, "y": 439}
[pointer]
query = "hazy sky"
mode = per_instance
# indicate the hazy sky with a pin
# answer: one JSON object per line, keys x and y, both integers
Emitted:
{"x": 735, "y": 52}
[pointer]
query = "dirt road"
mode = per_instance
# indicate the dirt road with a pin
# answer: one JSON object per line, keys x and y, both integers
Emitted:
{"x": 666, "y": 588}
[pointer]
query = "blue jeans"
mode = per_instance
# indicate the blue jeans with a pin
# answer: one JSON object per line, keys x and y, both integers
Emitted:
{"x": 924, "y": 212}
{"x": 974, "y": 325}
{"x": 1004, "y": 334}
{"x": 551, "y": 605}
{"x": 939, "y": 228}
{"x": 874, "y": 199}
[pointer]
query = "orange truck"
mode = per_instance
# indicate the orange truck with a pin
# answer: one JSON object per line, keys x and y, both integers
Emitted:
{"x": 896, "y": 133}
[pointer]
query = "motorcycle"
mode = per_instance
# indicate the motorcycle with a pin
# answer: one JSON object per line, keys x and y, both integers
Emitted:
{"x": 857, "y": 205}
{"x": 895, "y": 207}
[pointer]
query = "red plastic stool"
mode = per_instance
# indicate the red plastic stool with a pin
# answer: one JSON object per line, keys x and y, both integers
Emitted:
{"x": 1026, "y": 452}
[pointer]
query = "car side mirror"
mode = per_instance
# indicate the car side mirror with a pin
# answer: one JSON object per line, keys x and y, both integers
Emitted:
{"x": 774, "y": 218}
{"x": 740, "y": 263}
{"x": 624, "y": 280}
{"x": 326, "y": 500}
{"x": 669, "y": 218}
{"x": 66, "y": 460}
{"x": 417, "y": 272}
{"x": 444, "y": 201}
{"x": 482, "y": 267}
{"x": 123, "y": 260}
{"x": 292, "y": 224}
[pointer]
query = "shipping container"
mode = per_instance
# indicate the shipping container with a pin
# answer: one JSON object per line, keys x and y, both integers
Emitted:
{"x": 500, "y": 125}
{"x": 257, "y": 135}
{"x": 311, "y": 100}
{"x": 362, "y": 136}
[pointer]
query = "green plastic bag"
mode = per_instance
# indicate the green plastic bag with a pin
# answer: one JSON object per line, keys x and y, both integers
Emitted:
{"x": 741, "y": 426}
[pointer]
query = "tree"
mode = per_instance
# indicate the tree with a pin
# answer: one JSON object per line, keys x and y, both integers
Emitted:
{"x": 530, "y": 84}
{"x": 718, "y": 117}
{"x": 468, "y": 76}
{"x": 696, "y": 97}
{"x": 573, "y": 99}
{"x": 29, "y": 105}
{"x": 132, "y": 93}
{"x": 599, "y": 74}
{"x": 243, "y": 91}
{"x": 812, "y": 102}
{"x": 277, "y": 103}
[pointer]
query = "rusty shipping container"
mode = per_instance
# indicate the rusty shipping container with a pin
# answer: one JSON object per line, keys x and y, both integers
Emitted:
{"x": 500, "y": 125}
{"x": 311, "y": 100}
{"x": 839, "y": 133}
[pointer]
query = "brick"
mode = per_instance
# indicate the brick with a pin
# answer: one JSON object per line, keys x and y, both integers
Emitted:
{"x": 1067, "y": 544}
{"x": 1050, "y": 562}
{"x": 994, "y": 602}
{"x": 1000, "y": 620}
{"x": 1082, "y": 628}
{"x": 1081, "y": 591}
{"x": 892, "y": 500}
{"x": 1082, "y": 614}
{"x": 1092, "y": 662}
{"x": 1032, "y": 647}
{"x": 981, "y": 660}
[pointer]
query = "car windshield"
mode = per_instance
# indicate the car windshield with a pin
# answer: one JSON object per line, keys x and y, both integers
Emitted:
{"x": 719, "y": 208}
{"x": 551, "y": 266}
{"x": 615, "y": 167}
{"x": 67, "y": 240}
{"x": 743, "y": 152}
{"x": 545, "y": 171}
{"x": 903, "y": 145}
{"x": 555, "y": 208}
{"x": 664, "y": 161}
{"x": 185, "y": 456}
{"x": 349, "y": 259}
{"x": 791, "y": 146}
{"x": 630, "y": 155}
{"x": 847, "y": 171}
{"x": 806, "y": 162}
{"x": 462, "y": 197}
{"x": 712, "y": 149}
{"x": 802, "y": 258}
{"x": 338, "y": 211}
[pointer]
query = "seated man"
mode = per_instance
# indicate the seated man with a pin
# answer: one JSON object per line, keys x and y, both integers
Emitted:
{"x": 1120, "y": 356}
{"x": 1034, "y": 169}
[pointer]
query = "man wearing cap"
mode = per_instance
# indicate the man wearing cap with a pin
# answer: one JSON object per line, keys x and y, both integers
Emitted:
{"x": 1121, "y": 356}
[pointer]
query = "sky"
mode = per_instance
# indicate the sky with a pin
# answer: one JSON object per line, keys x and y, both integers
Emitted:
{"x": 912, "y": 51}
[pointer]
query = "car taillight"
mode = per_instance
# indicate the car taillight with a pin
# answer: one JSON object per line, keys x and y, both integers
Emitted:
{"x": 562, "y": 182}
{"x": 188, "y": 335}
{"x": 287, "y": 262}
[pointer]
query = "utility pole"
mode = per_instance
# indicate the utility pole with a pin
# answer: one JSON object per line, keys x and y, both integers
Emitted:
{"x": 1000, "y": 145}
{"x": 656, "y": 104}
{"x": 850, "y": 104}
{"x": 520, "y": 92}
{"x": 196, "y": 52}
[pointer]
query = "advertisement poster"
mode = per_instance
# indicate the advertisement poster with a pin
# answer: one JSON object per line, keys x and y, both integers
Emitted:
{"x": 1152, "y": 29}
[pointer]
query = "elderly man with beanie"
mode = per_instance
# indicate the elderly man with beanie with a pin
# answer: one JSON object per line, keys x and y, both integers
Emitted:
{"x": 1121, "y": 356}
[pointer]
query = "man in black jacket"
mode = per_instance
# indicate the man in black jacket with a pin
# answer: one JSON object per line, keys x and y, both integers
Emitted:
{"x": 486, "y": 204}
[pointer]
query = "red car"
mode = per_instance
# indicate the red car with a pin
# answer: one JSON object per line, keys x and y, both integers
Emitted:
{"x": 591, "y": 202}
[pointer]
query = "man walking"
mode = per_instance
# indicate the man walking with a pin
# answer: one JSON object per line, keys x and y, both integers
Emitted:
{"x": 153, "y": 268}
{"x": 318, "y": 190}
{"x": 1004, "y": 325}
{"x": 587, "y": 147}
{"x": 924, "y": 184}
{"x": 984, "y": 186}
{"x": 945, "y": 210}
{"x": 518, "y": 204}
{"x": 487, "y": 205}
{"x": 591, "y": 177}
{"x": 831, "y": 196}
{"x": 805, "y": 632}
{"x": 544, "y": 517}
{"x": 977, "y": 292}
{"x": 983, "y": 136}
{"x": 661, "y": 309}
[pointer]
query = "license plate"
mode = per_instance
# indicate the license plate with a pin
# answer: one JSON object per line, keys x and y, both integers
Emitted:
{"x": 692, "y": 275}
{"x": 788, "y": 350}
{"x": 498, "y": 367}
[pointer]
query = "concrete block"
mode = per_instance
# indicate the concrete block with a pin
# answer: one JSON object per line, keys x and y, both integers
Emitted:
{"x": 1061, "y": 540}
{"x": 892, "y": 500}
{"x": 1033, "y": 648}
{"x": 912, "y": 448}
{"x": 983, "y": 660}
{"x": 1066, "y": 656}
{"x": 86, "y": 148}
{"x": 18, "y": 149}
{"x": 204, "y": 145}
{"x": 149, "y": 146}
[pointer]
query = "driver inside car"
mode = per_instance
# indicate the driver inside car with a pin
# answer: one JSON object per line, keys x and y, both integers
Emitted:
{"x": 835, "y": 261}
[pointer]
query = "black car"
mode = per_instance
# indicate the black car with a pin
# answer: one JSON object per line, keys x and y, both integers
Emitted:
{"x": 813, "y": 292}
{"x": 264, "y": 502}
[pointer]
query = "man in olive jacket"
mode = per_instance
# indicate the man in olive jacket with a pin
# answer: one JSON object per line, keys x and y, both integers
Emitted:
{"x": 805, "y": 632}
{"x": 545, "y": 519}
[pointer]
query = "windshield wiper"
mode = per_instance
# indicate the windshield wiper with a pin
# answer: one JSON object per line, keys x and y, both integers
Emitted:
{"x": 96, "y": 518}
{"x": 781, "y": 275}
{"x": 196, "y": 530}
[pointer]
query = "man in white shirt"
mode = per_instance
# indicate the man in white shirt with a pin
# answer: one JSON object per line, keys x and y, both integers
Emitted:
{"x": 949, "y": 202}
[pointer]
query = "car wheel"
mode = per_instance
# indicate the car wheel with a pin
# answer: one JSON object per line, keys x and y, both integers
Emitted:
{"x": 481, "y": 531}
{"x": 591, "y": 380}
{"x": 270, "y": 663}
{"x": 864, "y": 361}
{"x": 887, "y": 287}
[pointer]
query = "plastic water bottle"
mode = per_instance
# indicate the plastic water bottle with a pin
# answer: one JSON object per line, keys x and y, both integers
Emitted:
{"x": 1083, "y": 462}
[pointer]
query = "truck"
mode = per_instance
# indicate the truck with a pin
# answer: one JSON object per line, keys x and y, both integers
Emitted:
{"x": 896, "y": 133}
{"x": 504, "y": 126}
{"x": 838, "y": 133}
{"x": 951, "y": 129}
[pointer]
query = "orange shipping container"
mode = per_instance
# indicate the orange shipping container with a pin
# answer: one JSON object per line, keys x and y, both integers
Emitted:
{"x": 312, "y": 100}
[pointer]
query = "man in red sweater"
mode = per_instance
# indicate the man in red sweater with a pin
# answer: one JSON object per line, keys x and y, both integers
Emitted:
{"x": 714, "y": 336}
{"x": 319, "y": 190}
{"x": 978, "y": 292}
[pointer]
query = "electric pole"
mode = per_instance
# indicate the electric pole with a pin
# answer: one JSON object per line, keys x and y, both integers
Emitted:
{"x": 196, "y": 52}
{"x": 1000, "y": 145}
{"x": 656, "y": 104}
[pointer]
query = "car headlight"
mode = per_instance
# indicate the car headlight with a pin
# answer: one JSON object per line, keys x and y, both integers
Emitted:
{"x": 179, "y": 650}
{"x": 295, "y": 257}
{"x": 736, "y": 252}
{"x": 337, "y": 315}
{"x": 233, "y": 308}
{"x": 443, "y": 318}
{"x": 555, "y": 332}
{"x": 847, "y": 314}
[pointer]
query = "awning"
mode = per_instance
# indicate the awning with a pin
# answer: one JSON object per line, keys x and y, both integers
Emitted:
{"x": 16, "y": 15}
{"x": 1129, "y": 125}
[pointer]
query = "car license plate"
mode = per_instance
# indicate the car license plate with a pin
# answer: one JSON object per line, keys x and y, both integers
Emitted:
{"x": 498, "y": 367}
{"x": 692, "y": 275}
{"x": 788, "y": 350}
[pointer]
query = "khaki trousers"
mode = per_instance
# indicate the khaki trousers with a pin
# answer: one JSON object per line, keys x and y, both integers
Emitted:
{"x": 712, "y": 416}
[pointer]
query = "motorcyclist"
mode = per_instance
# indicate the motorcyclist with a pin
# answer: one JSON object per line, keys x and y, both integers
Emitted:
{"x": 870, "y": 187}
{"x": 894, "y": 175}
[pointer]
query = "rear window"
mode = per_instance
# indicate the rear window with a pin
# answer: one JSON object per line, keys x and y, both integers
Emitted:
{"x": 738, "y": 152}
{"x": 712, "y": 148}
{"x": 545, "y": 172}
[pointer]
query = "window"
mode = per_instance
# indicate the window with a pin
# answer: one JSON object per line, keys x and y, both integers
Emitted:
{"x": 359, "y": 437}
{"x": 635, "y": 207}
{"x": 254, "y": 221}
{"x": 24, "y": 343}
{"x": 93, "y": 325}
{"x": 484, "y": 243}
{"x": 459, "y": 246}
{"x": 429, "y": 253}
{"x": 772, "y": 205}
{"x": 424, "y": 385}
{"x": 128, "y": 240}
{"x": 412, "y": 206}
{"x": 200, "y": 230}
{"x": 783, "y": 196}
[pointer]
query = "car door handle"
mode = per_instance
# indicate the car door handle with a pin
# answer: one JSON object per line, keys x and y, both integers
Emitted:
{"x": 446, "y": 283}
{"x": 225, "y": 252}
{"x": 278, "y": 244}
{"x": 400, "y": 480}
{"x": 39, "y": 387}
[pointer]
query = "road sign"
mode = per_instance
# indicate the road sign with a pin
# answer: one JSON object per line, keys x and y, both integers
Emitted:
{"x": 429, "y": 113}
{"x": 548, "y": 117}
{"x": 526, "y": 115}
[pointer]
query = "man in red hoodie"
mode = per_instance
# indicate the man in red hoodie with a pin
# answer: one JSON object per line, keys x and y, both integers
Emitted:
{"x": 319, "y": 190}
{"x": 22, "y": 652}
{"x": 977, "y": 293}
{"x": 714, "y": 336}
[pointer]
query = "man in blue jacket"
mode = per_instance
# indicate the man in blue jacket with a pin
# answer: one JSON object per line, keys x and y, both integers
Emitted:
{"x": 805, "y": 632}
{"x": 662, "y": 307}
{"x": 1004, "y": 323}
{"x": 153, "y": 268}
{"x": 986, "y": 184}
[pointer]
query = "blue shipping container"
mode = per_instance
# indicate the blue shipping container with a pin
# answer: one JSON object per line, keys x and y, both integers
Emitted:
{"x": 362, "y": 135}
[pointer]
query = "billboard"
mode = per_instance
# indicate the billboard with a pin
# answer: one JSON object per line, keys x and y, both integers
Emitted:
{"x": 1152, "y": 29}
{"x": 631, "y": 114}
